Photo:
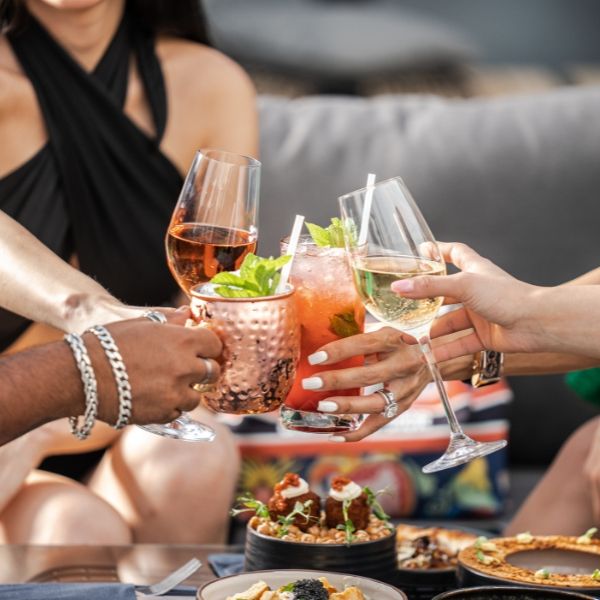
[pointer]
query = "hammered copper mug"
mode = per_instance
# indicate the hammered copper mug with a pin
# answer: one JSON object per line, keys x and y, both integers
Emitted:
{"x": 261, "y": 349}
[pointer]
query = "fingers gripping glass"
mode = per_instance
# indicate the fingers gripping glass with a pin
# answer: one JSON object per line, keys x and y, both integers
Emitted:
{"x": 212, "y": 229}
{"x": 387, "y": 239}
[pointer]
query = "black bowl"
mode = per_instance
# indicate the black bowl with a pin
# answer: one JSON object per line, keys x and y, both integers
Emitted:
{"x": 511, "y": 593}
{"x": 375, "y": 559}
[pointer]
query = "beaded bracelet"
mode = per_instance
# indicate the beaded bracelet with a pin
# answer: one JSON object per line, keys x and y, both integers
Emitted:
{"x": 119, "y": 371}
{"x": 90, "y": 387}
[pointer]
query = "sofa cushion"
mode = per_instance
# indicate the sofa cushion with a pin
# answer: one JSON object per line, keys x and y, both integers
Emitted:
{"x": 518, "y": 178}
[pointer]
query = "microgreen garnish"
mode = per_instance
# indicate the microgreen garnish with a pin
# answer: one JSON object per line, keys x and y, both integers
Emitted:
{"x": 348, "y": 526}
{"x": 596, "y": 575}
{"x": 373, "y": 502}
{"x": 524, "y": 538}
{"x": 586, "y": 538}
{"x": 332, "y": 236}
{"x": 257, "y": 277}
{"x": 288, "y": 588}
{"x": 301, "y": 509}
{"x": 542, "y": 574}
{"x": 251, "y": 504}
{"x": 482, "y": 543}
{"x": 483, "y": 558}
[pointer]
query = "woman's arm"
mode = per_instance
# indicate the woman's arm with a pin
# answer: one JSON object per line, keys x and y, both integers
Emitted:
{"x": 38, "y": 285}
{"x": 502, "y": 313}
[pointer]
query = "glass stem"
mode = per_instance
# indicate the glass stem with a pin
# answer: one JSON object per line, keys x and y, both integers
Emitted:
{"x": 425, "y": 344}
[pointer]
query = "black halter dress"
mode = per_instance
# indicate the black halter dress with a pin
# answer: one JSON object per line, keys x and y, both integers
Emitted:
{"x": 100, "y": 188}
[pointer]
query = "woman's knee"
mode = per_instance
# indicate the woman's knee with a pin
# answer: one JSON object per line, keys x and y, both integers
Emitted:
{"x": 176, "y": 466}
{"x": 579, "y": 442}
{"x": 51, "y": 510}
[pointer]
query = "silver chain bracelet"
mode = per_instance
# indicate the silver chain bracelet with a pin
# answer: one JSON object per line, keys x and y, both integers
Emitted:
{"x": 90, "y": 387}
{"x": 119, "y": 371}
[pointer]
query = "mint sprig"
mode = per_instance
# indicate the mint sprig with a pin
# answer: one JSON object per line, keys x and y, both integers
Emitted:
{"x": 331, "y": 237}
{"x": 257, "y": 277}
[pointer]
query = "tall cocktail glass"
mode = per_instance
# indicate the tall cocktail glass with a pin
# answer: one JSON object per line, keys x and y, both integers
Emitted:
{"x": 329, "y": 308}
{"x": 261, "y": 346}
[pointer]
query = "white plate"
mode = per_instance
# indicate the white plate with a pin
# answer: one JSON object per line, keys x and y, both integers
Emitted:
{"x": 220, "y": 589}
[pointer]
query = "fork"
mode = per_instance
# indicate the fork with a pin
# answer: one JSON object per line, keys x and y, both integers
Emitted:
{"x": 170, "y": 581}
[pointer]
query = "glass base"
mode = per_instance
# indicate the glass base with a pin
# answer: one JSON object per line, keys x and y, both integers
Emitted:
{"x": 318, "y": 422}
{"x": 462, "y": 449}
{"x": 184, "y": 429}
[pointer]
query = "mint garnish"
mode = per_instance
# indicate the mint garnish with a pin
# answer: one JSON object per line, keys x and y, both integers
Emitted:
{"x": 332, "y": 236}
{"x": 257, "y": 277}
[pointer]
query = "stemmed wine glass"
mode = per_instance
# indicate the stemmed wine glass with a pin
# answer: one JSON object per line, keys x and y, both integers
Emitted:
{"x": 212, "y": 229}
{"x": 387, "y": 239}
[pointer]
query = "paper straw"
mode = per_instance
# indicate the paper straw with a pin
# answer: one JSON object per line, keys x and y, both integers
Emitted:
{"x": 364, "y": 224}
{"x": 291, "y": 251}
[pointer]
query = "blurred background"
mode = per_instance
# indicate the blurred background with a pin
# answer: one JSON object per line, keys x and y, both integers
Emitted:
{"x": 490, "y": 111}
{"x": 455, "y": 48}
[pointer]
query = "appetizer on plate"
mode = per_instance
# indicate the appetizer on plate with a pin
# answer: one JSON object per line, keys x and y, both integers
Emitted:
{"x": 430, "y": 547}
{"x": 303, "y": 589}
{"x": 352, "y": 513}
{"x": 561, "y": 561}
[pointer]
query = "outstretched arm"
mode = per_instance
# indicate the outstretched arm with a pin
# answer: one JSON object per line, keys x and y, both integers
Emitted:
{"x": 507, "y": 314}
{"x": 38, "y": 285}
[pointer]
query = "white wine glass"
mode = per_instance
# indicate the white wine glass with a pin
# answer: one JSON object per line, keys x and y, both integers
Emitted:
{"x": 212, "y": 229}
{"x": 387, "y": 239}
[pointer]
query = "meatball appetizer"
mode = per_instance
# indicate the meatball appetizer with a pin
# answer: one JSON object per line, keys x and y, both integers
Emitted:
{"x": 347, "y": 501}
{"x": 290, "y": 491}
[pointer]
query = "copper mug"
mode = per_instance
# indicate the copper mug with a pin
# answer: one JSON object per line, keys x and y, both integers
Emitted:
{"x": 261, "y": 349}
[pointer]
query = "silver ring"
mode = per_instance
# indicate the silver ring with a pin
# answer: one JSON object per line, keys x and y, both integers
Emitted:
{"x": 390, "y": 410}
{"x": 209, "y": 370}
{"x": 156, "y": 316}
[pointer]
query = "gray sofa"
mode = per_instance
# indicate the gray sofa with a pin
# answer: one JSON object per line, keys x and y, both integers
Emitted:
{"x": 518, "y": 178}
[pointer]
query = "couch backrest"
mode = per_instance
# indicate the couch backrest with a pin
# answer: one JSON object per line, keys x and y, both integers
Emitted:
{"x": 518, "y": 178}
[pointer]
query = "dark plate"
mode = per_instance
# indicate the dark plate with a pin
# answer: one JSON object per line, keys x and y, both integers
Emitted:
{"x": 510, "y": 593}
{"x": 468, "y": 577}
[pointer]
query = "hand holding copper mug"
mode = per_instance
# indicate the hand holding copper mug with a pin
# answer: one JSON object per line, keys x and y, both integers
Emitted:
{"x": 260, "y": 332}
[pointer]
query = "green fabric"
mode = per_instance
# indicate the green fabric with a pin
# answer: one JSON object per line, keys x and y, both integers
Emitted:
{"x": 586, "y": 384}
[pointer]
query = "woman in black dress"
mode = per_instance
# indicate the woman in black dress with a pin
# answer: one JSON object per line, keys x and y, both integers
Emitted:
{"x": 103, "y": 104}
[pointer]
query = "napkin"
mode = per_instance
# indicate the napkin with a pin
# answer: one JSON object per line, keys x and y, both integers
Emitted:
{"x": 226, "y": 564}
{"x": 67, "y": 591}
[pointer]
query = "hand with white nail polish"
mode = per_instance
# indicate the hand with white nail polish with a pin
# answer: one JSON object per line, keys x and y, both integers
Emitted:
{"x": 312, "y": 383}
{"x": 389, "y": 359}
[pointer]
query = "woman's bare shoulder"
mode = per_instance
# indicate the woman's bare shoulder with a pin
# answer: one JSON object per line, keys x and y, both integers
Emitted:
{"x": 200, "y": 68}
{"x": 11, "y": 75}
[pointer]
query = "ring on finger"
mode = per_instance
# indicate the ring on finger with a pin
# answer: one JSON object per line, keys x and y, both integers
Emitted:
{"x": 391, "y": 407}
{"x": 209, "y": 371}
{"x": 156, "y": 316}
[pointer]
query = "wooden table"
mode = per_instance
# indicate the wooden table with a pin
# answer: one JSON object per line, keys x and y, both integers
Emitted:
{"x": 140, "y": 564}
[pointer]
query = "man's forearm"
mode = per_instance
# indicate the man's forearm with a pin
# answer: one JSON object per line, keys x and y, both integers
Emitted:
{"x": 37, "y": 386}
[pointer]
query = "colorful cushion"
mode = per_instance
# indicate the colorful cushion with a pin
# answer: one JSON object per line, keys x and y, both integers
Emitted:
{"x": 392, "y": 458}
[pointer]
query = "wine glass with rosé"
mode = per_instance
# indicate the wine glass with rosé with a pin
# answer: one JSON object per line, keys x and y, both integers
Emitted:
{"x": 212, "y": 229}
{"x": 213, "y": 226}
{"x": 387, "y": 239}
